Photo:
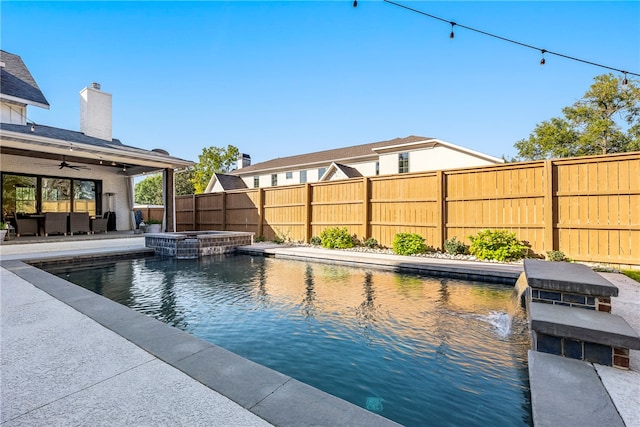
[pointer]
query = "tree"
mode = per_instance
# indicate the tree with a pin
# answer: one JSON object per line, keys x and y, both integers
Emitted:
{"x": 213, "y": 160}
{"x": 184, "y": 182}
{"x": 606, "y": 120}
{"x": 149, "y": 190}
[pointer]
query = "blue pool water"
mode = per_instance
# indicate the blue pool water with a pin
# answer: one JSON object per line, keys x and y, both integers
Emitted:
{"x": 419, "y": 350}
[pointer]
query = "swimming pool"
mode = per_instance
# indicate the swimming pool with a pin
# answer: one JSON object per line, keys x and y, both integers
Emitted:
{"x": 418, "y": 350}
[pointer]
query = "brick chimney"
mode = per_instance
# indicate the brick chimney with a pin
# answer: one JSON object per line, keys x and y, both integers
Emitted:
{"x": 95, "y": 112}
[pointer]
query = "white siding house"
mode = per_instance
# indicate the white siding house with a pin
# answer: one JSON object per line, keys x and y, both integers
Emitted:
{"x": 400, "y": 155}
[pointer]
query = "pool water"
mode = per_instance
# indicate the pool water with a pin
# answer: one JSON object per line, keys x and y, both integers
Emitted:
{"x": 419, "y": 350}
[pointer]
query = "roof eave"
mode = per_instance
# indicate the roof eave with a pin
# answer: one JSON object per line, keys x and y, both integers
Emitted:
{"x": 24, "y": 101}
{"x": 19, "y": 140}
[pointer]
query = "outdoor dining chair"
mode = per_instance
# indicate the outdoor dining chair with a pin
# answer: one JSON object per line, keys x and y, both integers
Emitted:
{"x": 25, "y": 225}
{"x": 55, "y": 223}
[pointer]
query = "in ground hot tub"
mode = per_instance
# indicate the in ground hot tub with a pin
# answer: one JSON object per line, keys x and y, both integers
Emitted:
{"x": 195, "y": 244}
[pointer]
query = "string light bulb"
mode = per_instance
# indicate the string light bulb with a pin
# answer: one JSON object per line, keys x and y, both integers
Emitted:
{"x": 625, "y": 81}
{"x": 33, "y": 127}
{"x": 543, "y": 61}
{"x": 355, "y": 3}
{"x": 452, "y": 34}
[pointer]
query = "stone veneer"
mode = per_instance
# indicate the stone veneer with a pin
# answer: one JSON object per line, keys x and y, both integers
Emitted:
{"x": 192, "y": 245}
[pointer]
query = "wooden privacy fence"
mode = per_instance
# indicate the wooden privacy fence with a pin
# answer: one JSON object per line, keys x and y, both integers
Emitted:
{"x": 587, "y": 207}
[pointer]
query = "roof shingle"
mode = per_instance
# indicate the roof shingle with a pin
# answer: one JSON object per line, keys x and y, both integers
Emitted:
{"x": 17, "y": 81}
{"x": 335, "y": 155}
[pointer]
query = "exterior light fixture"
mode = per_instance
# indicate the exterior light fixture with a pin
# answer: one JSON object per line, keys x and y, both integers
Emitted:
{"x": 542, "y": 61}
{"x": 355, "y": 3}
{"x": 33, "y": 127}
{"x": 625, "y": 81}
{"x": 452, "y": 34}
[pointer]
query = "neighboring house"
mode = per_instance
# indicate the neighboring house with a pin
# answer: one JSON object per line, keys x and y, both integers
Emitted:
{"x": 400, "y": 155}
{"x": 46, "y": 169}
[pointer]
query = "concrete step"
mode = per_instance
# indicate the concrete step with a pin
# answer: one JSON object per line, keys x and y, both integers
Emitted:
{"x": 566, "y": 392}
{"x": 582, "y": 334}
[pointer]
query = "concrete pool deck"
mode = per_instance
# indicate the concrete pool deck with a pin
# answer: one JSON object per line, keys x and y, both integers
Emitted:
{"x": 66, "y": 359}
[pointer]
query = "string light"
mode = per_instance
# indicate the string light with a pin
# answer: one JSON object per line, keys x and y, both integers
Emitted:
{"x": 625, "y": 81}
{"x": 542, "y": 61}
{"x": 355, "y": 3}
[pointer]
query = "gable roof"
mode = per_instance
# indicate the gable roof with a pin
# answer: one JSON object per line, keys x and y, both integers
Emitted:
{"x": 363, "y": 151}
{"x": 347, "y": 171}
{"x": 17, "y": 83}
{"x": 227, "y": 182}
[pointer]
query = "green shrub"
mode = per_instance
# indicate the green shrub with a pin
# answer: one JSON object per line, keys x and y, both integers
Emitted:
{"x": 499, "y": 245}
{"x": 336, "y": 237}
{"x": 259, "y": 239}
{"x": 454, "y": 247}
{"x": 315, "y": 240}
{"x": 556, "y": 256}
{"x": 370, "y": 243}
{"x": 408, "y": 244}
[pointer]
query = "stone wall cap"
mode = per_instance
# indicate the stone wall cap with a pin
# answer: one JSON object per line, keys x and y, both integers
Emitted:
{"x": 567, "y": 277}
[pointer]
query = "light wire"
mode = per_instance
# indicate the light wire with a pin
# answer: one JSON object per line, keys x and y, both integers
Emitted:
{"x": 543, "y": 51}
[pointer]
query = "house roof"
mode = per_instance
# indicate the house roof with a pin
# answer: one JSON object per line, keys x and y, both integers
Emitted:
{"x": 348, "y": 171}
{"x": 47, "y": 139}
{"x": 229, "y": 182}
{"x": 335, "y": 155}
{"x": 17, "y": 83}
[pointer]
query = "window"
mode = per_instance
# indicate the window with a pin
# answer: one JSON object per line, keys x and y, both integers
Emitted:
{"x": 84, "y": 196}
{"x": 38, "y": 194}
{"x": 321, "y": 172}
{"x": 377, "y": 168}
{"x": 256, "y": 182}
{"x": 289, "y": 175}
{"x": 303, "y": 177}
{"x": 56, "y": 195}
{"x": 274, "y": 180}
{"x": 403, "y": 162}
{"x": 18, "y": 194}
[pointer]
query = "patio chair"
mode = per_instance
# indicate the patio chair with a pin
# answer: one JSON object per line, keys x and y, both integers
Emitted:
{"x": 25, "y": 225}
{"x": 79, "y": 222}
{"x": 98, "y": 225}
{"x": 55, "y": 223}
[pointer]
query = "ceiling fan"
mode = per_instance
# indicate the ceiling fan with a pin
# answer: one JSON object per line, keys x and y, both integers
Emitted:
{"x": 64, "y": 164}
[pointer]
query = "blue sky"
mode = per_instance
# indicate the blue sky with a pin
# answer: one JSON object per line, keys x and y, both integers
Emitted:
{"x": 283, "y": 78}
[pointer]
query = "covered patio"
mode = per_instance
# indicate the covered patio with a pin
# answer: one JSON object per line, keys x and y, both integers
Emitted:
{"x": 83, "y": 177}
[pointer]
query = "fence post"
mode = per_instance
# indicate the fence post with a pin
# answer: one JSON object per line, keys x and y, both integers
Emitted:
{"x": 366, "y": 208}
{"x": 194, "y": 212}
{"x": 307, "y": 212}
{"x": 549, "y": 244}
{"x": 260, "y": 211}
{"x": 223, "y": 218}
{"x": 440, "y": 211}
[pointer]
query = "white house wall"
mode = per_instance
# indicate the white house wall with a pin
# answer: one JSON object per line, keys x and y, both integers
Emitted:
{"x": 441, "y": 157}
{"x": 13, "y": 113}
{"x": 111, "y": 182}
